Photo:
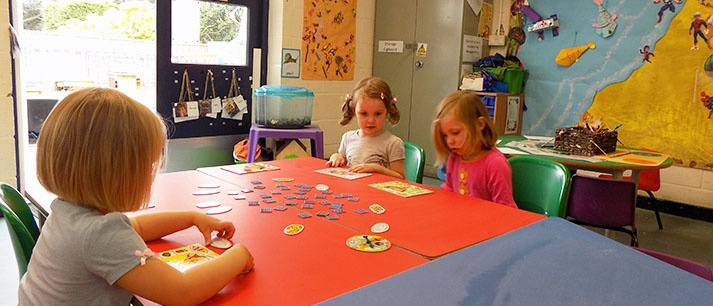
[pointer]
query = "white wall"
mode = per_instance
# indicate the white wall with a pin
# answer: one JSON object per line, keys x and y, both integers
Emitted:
{"x": 687, "y": 185}
{"x": 285, "y": 31}
{"x": 7, "y": 120}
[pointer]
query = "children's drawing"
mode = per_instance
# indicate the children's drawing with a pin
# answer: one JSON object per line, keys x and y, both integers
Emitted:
{"x": 568, "y": 56}
{"x": 605, "y": 24}
{"x": 516, "y": 35}
{"x": 538, "y": 24}
{"x": 328, "y": 40}
{"x": 486, "y": 19}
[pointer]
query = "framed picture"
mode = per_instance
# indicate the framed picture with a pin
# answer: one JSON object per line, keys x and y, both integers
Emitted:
{"x": 290, "y": 63}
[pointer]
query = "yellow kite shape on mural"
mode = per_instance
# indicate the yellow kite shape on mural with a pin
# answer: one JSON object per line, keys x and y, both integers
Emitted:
{"x": 568, "y": 56}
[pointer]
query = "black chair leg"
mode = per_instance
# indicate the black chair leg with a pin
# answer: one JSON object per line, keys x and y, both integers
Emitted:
{"x": 655, "y": 206}
{"x": 634, "y": 237}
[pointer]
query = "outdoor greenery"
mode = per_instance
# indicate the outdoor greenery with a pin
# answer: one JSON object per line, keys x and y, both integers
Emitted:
{"x": 129, "y": 19}
{"x": 32, "y": 15}
{"x": 117, "y": 19}
{"x": 219, "y": 22}
{"x": 59, "y": 13}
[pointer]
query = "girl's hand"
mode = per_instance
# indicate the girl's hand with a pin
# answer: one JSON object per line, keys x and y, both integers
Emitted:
{"x": 207, "y": 225}
{"x": 336, "y": 160}
{"x": 365, "y": 168}
{"x": 396, "y": 169}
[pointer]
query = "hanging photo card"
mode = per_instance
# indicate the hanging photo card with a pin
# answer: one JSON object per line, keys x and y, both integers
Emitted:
{"x": 234, "y": 104}
{"x": 206, "y": 108}
{"x": 185, "y": 111}
{"x": 234, "y": 108}
{"x": 230, "y": 109}
{"x": 210, "y": 107}
{"x": 216, "y": 107}
{"x": 242, "y": 104}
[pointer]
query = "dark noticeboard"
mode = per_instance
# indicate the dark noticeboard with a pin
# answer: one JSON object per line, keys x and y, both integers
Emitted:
{"x": 171, "y": 71}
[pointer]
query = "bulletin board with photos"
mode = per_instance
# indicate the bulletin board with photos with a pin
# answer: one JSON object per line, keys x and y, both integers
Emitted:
{"x": 204, "y": 86}
{"x": 213, "y": 101}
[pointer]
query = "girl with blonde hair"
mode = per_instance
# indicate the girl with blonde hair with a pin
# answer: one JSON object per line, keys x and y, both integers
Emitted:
{"x": 464, "y": 137}
{"x": 99, "y": 152}
{"x": 370, "y": 148}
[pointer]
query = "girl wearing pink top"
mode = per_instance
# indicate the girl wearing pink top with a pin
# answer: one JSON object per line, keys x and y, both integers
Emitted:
{"x": 464, "y": 137}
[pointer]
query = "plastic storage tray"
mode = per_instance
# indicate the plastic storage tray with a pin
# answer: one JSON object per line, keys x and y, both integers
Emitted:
{"x": 489, "y": 102}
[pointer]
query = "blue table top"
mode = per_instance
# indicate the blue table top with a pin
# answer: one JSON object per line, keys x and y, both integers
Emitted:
{"x": 550, "y": 262}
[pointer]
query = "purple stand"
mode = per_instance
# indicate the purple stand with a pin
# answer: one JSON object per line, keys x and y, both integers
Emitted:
{"x": 313, "y": 132}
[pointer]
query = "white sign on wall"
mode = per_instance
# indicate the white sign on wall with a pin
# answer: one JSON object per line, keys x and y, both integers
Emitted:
{"x": 472, "y": 48}
{"x": 391, "y": 46}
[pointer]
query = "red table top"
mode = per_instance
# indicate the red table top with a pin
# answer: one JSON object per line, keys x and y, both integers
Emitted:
{"x": 430, "y": 225}
{"x": 289, "y": 270}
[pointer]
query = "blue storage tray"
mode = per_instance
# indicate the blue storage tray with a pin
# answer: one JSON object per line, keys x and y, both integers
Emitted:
{"x": 489, "y": 102}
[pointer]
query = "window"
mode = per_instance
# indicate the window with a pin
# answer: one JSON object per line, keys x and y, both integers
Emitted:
{"x": 67, "y": 45}
{"x": 209, "y": 33}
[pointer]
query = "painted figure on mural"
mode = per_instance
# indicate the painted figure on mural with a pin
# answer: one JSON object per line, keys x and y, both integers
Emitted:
{"x": 699, "y": 28}
{"x": 705, "y": 3}
{"x": 667, "y": 5}
{"x": 707, "y": 103}
{"x": 647, "y": 53}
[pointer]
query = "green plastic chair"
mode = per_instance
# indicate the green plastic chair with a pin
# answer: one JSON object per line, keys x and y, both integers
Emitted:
{"x": 20, "y": 206}
{"x": 540, "y": 185}
{"x": 414, "y": 163}
{"x": 22, "y": 241}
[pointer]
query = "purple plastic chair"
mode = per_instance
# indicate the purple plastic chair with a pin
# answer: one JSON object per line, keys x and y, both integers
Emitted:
{"x": 691, "y": 266}
{"x": 603, "y": 203}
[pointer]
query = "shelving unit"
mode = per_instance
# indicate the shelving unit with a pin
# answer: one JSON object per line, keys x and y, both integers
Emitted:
{"x": 505, "y": 111}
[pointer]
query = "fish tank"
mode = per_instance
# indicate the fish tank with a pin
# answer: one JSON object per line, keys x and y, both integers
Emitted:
{"x": 283, "y": 107}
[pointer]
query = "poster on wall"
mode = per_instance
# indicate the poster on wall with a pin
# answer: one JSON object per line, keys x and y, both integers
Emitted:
{"x": 290, "y": 63}
{"x": 486, "y": 20}
{"x": 328, "y": 40}
{"x": 513, "y": 115}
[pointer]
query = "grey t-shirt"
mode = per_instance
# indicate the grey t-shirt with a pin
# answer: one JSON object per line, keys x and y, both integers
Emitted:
{"x": 382, "y": 149}
{"x": 79, "y": 256}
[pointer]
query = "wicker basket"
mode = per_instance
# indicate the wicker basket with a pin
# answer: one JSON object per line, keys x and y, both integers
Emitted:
{"x": 580, "y": 141}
